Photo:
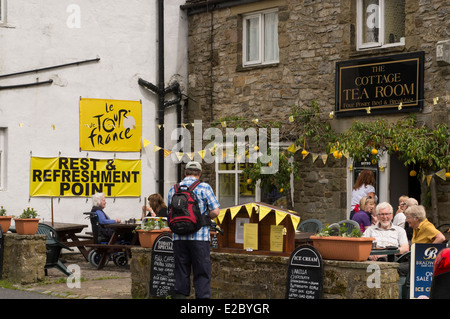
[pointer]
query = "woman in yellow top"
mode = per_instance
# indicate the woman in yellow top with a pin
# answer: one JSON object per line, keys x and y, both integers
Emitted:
{"x": 424, "y": 231}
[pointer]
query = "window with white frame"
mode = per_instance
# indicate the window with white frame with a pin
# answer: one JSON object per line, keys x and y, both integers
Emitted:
{"x": 232, "y": 187}
{"x": 380, "y": 23}
{"x": 2, "y": 12}
{"x": 260, "y": 38}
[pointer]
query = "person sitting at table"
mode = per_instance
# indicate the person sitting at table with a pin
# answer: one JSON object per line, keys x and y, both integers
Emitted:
{"x": 98, "y": 205}
{"x": 155, "y": 208}
{"x": 385, "y": 233}
{"x": 363, "y": 216}
{"x": 424, "y": 232}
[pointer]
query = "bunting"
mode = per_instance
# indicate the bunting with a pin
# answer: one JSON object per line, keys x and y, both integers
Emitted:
{"x": 262, "y": 211}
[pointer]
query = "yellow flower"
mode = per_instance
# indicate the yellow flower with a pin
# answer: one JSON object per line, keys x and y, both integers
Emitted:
{"x": 412, "y": 173}
{"x": 374, "y": 151}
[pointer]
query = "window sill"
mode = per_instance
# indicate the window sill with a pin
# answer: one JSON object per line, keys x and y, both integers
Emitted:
{"x": 241, "y": 68}
{"x": 377, "y": 51}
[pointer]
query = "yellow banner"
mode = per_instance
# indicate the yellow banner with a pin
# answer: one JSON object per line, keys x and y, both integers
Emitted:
{"x": 110, "y": 125}
{"x": 63, "y": 176}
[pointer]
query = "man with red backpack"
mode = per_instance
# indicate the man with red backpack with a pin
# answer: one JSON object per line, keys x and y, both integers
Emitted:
{"x": 191, "y": 245}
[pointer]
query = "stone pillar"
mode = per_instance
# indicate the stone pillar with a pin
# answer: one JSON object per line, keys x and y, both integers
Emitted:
{"x": 140, "y": 272}
{"x": 24, "y": 258}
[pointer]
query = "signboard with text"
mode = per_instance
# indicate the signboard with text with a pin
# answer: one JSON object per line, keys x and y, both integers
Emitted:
{"x": 162, "y": 272}
{"x": 389, "y": 84}
{"x": 110, "y": 125}
{"x": 423, "y": 257}
{"x": 64, "y": 176}
{"x": 305, "y": 274}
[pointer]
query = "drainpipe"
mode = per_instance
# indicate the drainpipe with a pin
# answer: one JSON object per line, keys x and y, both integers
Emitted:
{"x": 161, "y": 96}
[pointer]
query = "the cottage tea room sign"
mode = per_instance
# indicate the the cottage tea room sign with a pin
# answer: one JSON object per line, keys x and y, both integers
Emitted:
{"x": 388, "y": 84}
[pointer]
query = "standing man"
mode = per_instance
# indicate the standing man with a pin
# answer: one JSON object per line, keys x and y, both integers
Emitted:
{"x": 193, "y": 250}
{"x": 385, "y": 233}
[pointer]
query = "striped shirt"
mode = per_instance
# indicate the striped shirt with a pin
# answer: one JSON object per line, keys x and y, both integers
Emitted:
{"x": 207, "y": 201}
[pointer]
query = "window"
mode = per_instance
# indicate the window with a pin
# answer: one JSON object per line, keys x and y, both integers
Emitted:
{"x": 380, "y": 23}
{"x": 2, "y": 12}
{"x": 232, "y": 187}
{"x": 260, "y": 38}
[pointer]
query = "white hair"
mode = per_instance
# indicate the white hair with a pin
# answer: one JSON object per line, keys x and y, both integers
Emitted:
{"x": 97, "y": 198}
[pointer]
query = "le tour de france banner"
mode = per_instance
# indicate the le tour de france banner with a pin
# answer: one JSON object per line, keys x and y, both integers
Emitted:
{"x": 110, "y": 125}
{"x": 64, "y": 177}
{"x": 389, "y": 84}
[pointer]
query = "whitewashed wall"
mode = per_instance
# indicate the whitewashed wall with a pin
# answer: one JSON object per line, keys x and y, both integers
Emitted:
{"x": 44, "y": 120}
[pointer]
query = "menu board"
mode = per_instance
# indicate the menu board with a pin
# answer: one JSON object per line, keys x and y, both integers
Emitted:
{"x": 305, "y": 273}
{"x": 162, "y": 271}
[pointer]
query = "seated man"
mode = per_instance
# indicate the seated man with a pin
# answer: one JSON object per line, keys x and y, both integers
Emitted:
{"x": 385, "y": 233}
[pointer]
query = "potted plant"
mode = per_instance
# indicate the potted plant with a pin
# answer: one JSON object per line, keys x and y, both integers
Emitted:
{"x": 5, "y": 221}
{"x": 150, "y": 229}
{"x": 340, "y": 243}
{"x": 27, "y": 223}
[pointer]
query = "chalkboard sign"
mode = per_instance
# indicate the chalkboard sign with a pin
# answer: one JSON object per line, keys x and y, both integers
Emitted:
{"x": 162, "y": 271}
{"x": 305, "y": 273}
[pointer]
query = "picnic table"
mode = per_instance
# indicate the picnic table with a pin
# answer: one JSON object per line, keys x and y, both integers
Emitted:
{"x": 112, "y": 245}
{"x": 70, "y": 235}
{"x": 390, "y": 253}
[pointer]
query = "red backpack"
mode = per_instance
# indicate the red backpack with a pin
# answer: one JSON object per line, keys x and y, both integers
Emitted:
{"x": 184, "y": 213}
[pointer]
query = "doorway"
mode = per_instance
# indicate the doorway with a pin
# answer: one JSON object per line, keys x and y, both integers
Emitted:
{"x": 401, "y": 183}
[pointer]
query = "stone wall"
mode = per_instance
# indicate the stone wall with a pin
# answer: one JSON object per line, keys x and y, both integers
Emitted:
{"x": 313, "y": 36}
{"x": 24, "y": 258}
{"x": 242, "y": 276}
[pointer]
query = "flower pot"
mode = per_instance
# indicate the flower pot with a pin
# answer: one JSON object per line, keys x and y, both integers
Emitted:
{"x": 147, "y": 237}
{"x": 343, "y": 248}
{"x": 5, "y": 222}
{"x": 26, "y": 226}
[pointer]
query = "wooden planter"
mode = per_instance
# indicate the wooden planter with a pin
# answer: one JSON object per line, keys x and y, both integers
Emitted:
{"x": 147, "y": 237}
{"x": 343, "y": 248}
{"x": 26, "y": 226}
{"x": 5, "y": 222}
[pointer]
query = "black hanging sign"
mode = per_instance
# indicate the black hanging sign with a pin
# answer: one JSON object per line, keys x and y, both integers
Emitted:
{"x": 305, "y": 274}
{"x": 388, "y": 84}
{"x": 162, "y": 271}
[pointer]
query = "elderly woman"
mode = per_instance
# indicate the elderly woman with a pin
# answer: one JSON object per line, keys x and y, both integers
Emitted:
{"x": 424, "y": 231}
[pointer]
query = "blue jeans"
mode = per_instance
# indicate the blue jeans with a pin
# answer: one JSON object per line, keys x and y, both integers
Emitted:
{"x": 195, "y": 254}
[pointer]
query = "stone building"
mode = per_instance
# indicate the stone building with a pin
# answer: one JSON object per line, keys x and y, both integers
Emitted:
{"x": 258, "y": 59}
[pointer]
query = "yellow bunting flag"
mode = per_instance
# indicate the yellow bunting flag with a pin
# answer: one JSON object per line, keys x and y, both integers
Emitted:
{"x": 324, "y": 158}
{"x": 179, "y": 155}
{"x": 295, "y": 221}
{"x": 441, "y": 174}
{"x": 234, "y": 211}
{"x": 222, "y": 213}
{"x": 305, "y": 153}
{"x": 279, "y": 216}
{"x": 145, "y": 143}
{"x": 156, "y": 148}
{"x": 202, "y": 153}
{"x": 291, "y": 148}
{"x": 429, "y": 177}
{"x": 263, "y": 211}
{"x": 167, "y": 153}
{"x": 249, "y": 208}
{"x": 315, "y": 156}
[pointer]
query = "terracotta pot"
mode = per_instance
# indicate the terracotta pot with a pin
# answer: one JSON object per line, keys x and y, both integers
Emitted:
{"x": 26, "y": 226}
{"x": 148, "y": 237}
{"x": 343, "y": 248}
{"x": 5, "y": 222}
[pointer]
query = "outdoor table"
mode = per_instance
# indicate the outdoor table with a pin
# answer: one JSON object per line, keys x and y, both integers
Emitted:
{"x": 389, "y": 252}
{"x": 119, "y": 228}
{"x": 302, "y": 238}
{"x": 69, "y": 231}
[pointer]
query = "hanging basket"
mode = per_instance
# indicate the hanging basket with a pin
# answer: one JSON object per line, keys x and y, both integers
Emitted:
{"x": 26, "y": 226}
{"x": 343, "y": 248}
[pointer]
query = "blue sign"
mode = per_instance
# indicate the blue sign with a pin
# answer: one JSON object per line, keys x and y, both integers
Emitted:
{"x": 422, "y": 262}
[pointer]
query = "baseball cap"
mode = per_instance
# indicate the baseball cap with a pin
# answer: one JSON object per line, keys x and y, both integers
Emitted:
{"x": 194, "y": 165}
